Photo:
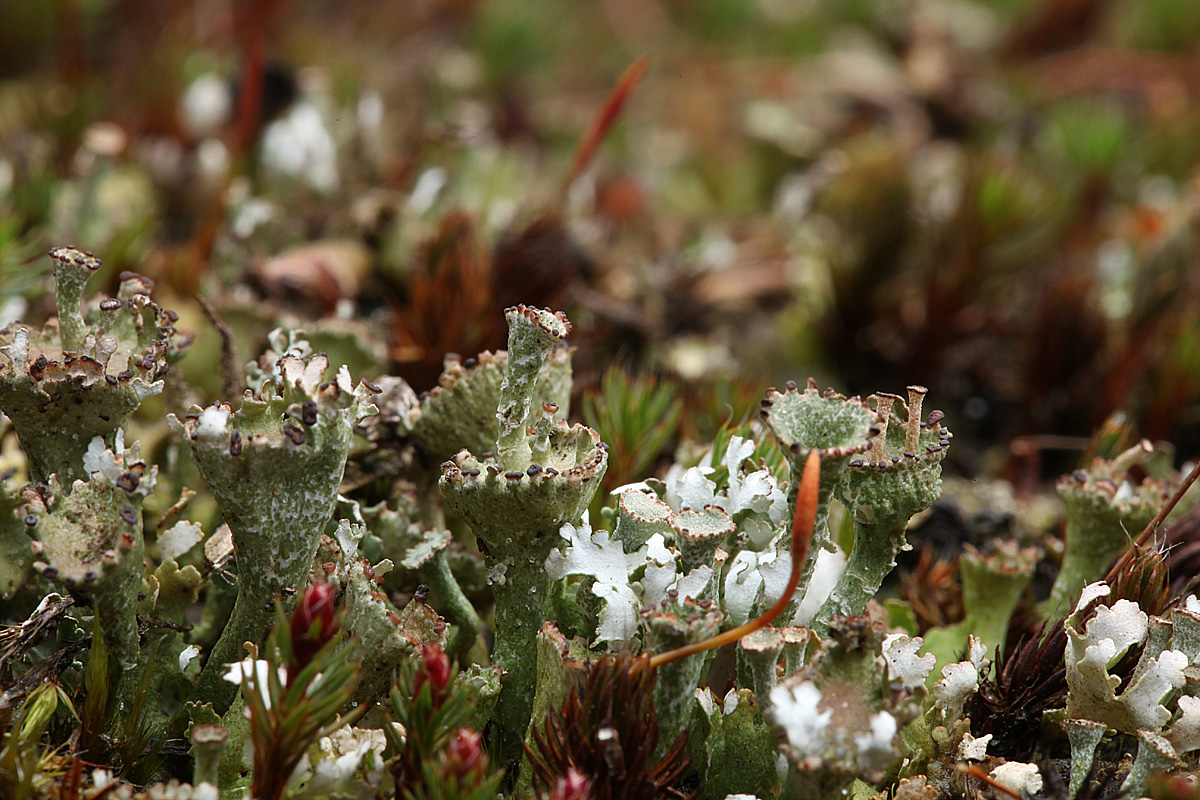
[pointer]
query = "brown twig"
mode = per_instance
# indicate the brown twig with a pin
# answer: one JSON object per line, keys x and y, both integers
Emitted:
{"x": 186, "y": 496}
{"x": 231, "y": 379}
{"x": 1148, "y": 532}
{"x": 979, "y": 774}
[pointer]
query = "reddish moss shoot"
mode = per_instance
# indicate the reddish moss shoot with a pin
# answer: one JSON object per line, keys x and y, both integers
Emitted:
{"x": 434, "y": 670}
{"x": 604, "y": 120}
{"x": 313, "y": 624}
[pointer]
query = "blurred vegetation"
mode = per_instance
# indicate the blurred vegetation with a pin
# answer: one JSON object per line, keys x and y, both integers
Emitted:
{"x": 994, "y": 198}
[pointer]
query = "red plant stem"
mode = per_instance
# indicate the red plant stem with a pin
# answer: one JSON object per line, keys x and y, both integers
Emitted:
{"x": 253, "y": 22}
{"x": 802, "y": 529}
{"x": 604, "y": 120}
{"x": 1147, "y": 534}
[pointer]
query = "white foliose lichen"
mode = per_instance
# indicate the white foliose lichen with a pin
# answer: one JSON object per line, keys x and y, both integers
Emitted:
{"x": 349, "y": 766}
{"x": 599, "y": 555}
{"x": 959, "y": 680}
{"x": 1095, "y": 646}
{"x": 1184, "y": 735}
{"x": 237, "y": 672}
{"x": 972, "y": 749}
{"x": 794, "y": 708}
{"x": 1024, "y": 779}
{"x": 904, "y": 665}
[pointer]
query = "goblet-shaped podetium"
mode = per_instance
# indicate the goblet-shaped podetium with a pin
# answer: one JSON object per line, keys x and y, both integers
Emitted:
{"x": 639, "y": 516}
{"x": 838, "y": 428}
{"x": 274, "y": 467}
{"x": 81, "y": 377}
{"x": 992, "y": 585}
{"x": 900, "y": 476}
{"x": 460, "y": 412}
{"x": 540, "y": 474}
{"x": 91, "y": 542}
{"x": 1106, "y": 510}
{"x": 676, "y": 622}
{"x": 698, "y": 535}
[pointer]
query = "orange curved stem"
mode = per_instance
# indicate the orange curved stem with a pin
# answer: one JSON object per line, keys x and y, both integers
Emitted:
{"x": 802, "y": 529}
{"x": 979, "y": 774}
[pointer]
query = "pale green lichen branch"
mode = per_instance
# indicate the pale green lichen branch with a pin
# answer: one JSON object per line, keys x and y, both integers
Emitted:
{"x": 532, "y": 333}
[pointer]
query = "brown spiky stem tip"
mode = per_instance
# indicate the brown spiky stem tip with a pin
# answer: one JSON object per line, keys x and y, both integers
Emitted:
{"x": 885, "y": 402}
{"x": 554, "y": 323}
{"x": 609, "y": 733}
{"x": 912, "y": 431}
{"x": 1148, "y": 533}
{"x": 802, "y": 529}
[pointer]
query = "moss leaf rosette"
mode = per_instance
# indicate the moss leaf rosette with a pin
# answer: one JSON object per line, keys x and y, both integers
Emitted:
{"x": 274, "y": 467}
{"x": 81, "y": 376}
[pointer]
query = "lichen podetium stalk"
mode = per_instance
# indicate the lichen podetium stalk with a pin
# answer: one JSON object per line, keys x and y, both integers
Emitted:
{"x": 883, "y": 489}
{"x": 90, "y": 542}
{"x": 876, "y": 544}
{"x": 520, "y": 610}
{"x": 838, "y": 427}
{"x": 1105, "y": 511}
{"x": 274, "y": 466}
{"x": 543, "y": 475}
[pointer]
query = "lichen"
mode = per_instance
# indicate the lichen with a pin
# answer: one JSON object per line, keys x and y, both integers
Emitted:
{"x": 296, "y": 429}
{"x": 81, "y": 376}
